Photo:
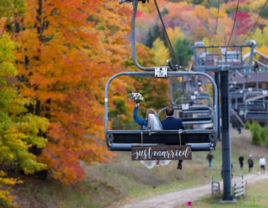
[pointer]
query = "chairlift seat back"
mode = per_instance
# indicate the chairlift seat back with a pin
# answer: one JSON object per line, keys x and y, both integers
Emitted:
{"x": 164, "y": 136}
{"x": 258, "y": 115}
{"x": 254, "y": 106}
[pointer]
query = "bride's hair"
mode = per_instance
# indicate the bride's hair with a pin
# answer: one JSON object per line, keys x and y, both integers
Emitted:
{"x": 149, "y": 111}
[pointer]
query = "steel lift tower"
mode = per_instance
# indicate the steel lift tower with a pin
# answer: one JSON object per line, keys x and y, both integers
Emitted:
{"x": 224, "y": 62}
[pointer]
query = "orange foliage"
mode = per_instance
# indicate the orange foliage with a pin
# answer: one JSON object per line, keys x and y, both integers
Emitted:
{"x": 67, "y": 51}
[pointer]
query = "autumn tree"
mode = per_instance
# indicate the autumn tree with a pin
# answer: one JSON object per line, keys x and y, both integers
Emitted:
{"x": 66, "y": 52}
{"x": 182, "y": 51}
{"x": 243, "y": 23}
{"x": 19, "y": 130}
{"x": 175, "y": 34}
{"x": 264, "y": 13}
{"x": 161, "y": 52}
{"x": 154, "y": 33}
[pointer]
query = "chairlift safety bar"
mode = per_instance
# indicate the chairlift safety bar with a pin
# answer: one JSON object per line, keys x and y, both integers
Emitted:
{"x": 196, "y": 98}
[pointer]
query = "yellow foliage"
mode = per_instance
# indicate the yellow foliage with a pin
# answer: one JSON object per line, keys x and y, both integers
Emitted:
{"x": 5, "y": 197}
{"x": 175, "y": 34}
{"x": 214, "y": 12}
{"x": 256, "y": 5}
{"x": 183, "y": 4}
{"x": 18, "y": 130}
{"x": 161, "y": 52}
{"x": 148, "y": 7}
{"x": 206, "y": 41}
{"x": 201, "y": 12}
{"x": 264, "y": 50}
{"x": 261, "y": 36}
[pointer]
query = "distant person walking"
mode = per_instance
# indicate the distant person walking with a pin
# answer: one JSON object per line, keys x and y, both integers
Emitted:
{"x": 262, "y": 164}
{"x": 209, "y": 158}
{"x": 241, "y": 161}
{"x": 250, "y": 164}
{"x": 239, "y": 130}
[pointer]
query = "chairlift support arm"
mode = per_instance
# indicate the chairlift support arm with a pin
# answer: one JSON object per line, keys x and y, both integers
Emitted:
{"x": 239, "y": 73}
{"x": 133, "y": 40}
{"x": 239, "y": 119}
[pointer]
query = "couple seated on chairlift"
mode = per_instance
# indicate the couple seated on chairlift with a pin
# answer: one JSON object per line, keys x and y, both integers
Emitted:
{"x": 151, "y": 122}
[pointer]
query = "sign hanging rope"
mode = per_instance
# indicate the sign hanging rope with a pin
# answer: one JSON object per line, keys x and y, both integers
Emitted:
{"x": 180, "y": 135}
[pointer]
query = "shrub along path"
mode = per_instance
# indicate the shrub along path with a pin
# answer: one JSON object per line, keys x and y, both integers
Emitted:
{"x": 177, "y": 198}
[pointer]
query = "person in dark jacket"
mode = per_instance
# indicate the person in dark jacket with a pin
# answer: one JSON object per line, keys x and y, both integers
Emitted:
{"x": 250, "y": 164}
{"x": 209, "y": 158}
{"x": 241, "y": 161}
{"x": 171, "y": 123}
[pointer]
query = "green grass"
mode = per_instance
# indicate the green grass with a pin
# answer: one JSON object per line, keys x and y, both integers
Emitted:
{"x": 122, "y": 180}
{"x": 53, "y": 194}
{"x": 255, "y": 197}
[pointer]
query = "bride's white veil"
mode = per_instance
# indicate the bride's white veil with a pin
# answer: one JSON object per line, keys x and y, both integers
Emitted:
{"x": 154, "y": 123}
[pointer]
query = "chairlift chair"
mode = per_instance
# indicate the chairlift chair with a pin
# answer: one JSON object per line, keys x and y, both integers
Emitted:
{"x": 200, "y": 140}
{"x": 256, "y": 115}
{"x": 248, "y": 94}
{"x": 255, "y": 108}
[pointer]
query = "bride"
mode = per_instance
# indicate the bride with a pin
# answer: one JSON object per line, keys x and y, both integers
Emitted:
{"x": 151, "y": 123}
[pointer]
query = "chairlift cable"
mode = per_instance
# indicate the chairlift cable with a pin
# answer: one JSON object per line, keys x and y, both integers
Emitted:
{"x": 160, "y": 16}
{"x": 217, "y": 21}
{"x": 234, "y": 21}
{"x": 256, "y": 21}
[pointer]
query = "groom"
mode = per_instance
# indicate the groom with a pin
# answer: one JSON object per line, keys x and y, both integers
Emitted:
{"x": 171, "y": 123}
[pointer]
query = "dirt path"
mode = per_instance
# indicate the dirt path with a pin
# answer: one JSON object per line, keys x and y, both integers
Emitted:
{"x": 174, "y": 199}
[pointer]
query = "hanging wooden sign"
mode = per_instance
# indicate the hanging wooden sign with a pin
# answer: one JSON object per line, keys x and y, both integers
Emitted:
{"x": 162, "y": 152}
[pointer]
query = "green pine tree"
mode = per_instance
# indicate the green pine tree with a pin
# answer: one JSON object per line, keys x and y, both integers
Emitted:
{"x": 182, "y": 51}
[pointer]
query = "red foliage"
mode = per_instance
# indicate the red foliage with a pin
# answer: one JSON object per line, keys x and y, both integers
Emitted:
{"x": 243, "y": 23}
